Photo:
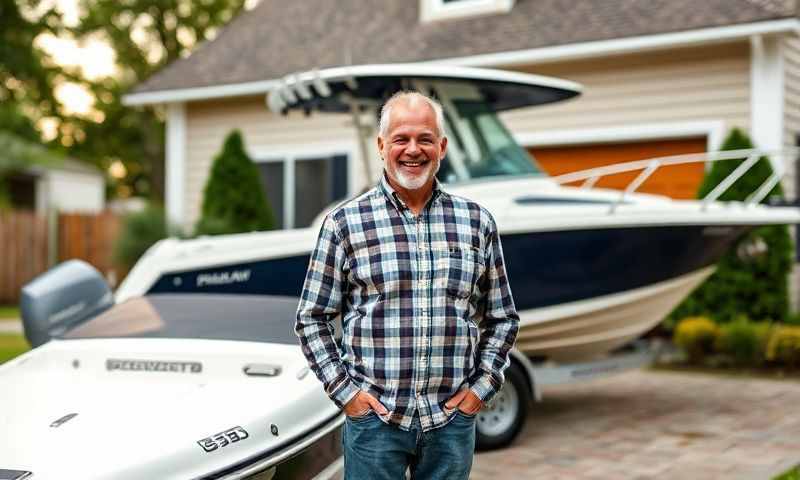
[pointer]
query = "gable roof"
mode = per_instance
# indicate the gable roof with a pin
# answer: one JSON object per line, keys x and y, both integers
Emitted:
{"x": 279, "y": 37}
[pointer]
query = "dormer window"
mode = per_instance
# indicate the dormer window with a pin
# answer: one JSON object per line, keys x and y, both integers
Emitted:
{"x": 434, "y": 10}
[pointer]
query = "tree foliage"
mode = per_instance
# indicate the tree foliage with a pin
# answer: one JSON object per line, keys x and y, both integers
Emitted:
{"x": 145, "y": 35}
{"x": 27, "y": 74}
{"x": 752, "y": 285}
{"x": 26, "y": 89}
{"x": 233, "y": 199}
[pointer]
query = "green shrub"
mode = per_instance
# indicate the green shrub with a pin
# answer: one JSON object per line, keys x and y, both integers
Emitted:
{"x": 696, "y": 336}
{"x": 784, "y": 346}
{"x": 755, "y": 286}
{"x": 140, "y": 230}
{"x": 743, "y": 341}
{"x": 793, "y": 319}
{"x": 233, "y": 199}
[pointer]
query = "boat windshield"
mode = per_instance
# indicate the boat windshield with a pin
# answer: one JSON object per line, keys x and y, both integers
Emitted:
{"x": 254, "y": 318}
{"x": 480, "y": 146}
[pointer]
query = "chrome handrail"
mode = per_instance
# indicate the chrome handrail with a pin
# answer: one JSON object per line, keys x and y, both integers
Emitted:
{"x": 649, "y": 166}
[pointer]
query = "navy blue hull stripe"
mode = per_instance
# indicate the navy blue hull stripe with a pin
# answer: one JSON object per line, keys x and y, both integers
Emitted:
{"x": 544, "y": 268}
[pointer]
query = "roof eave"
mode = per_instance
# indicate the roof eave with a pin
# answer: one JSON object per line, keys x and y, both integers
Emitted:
{"x": 573, "y": 51}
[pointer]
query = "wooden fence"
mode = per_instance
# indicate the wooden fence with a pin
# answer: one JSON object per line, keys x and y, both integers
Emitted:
{"x": 23, "y": 251}
{"x": 31, "y": 243}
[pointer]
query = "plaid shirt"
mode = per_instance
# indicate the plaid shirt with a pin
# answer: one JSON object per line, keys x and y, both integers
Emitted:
{"x": 412, "y": 292}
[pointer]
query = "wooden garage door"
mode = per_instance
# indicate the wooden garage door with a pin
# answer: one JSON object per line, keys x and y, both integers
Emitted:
{"x": 676, "y": 181}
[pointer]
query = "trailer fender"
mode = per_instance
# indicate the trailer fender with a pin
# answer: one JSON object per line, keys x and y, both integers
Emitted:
{"x": 527, "y": 366}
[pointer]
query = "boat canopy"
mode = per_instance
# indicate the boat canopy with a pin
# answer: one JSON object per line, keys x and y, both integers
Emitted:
{"x": 336, "y": 89}
{"x": 480, "y": 145}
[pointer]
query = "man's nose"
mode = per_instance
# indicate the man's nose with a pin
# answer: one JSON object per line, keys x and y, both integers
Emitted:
{"x": 412, "y": 148}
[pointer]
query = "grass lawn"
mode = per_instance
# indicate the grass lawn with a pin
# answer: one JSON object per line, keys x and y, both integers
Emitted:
{"x": 791, "y": 474}
{"x": 12, "y": 345}
{"x": 8, "y": 311}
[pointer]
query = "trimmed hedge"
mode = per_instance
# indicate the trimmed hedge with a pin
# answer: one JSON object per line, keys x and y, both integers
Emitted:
{"x": 695, "y": 336}
{"x": 741, "y": 343}
{"x": 784, "y": 346}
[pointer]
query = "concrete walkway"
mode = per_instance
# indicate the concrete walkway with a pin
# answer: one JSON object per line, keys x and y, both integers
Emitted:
{"x": 10, "y": 326}
{"x": 644, "y": 424}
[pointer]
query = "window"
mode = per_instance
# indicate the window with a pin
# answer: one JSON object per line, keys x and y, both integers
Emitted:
{"x": 300, "y": 187}
{"x": 434, "y": 10}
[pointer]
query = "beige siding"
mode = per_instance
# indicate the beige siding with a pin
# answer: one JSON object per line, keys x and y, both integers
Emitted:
{"x": 791, "y": 128}
{"x": 791, "y": 105}
{"x": 699, "y": 84}
{"x": 265, "y": 136}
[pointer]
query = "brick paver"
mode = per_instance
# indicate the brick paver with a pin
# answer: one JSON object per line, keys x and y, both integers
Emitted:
{"x": 646, "y": 424}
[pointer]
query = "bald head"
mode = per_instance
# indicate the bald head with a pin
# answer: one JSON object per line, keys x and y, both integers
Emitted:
{"x": 411, "y": 100}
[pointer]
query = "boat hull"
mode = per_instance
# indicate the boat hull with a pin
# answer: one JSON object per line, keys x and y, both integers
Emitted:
{"x": 550, "y": 272}
{"x": 586, "y": 329}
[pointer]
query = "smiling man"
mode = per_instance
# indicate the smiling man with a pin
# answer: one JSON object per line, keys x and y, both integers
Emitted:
{"x": 415, "y": 273}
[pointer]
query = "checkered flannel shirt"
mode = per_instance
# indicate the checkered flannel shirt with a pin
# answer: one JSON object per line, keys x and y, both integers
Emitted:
{"x": 412, "y": 292}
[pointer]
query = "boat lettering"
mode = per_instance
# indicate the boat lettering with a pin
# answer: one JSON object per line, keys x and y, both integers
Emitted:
{"x": 223, "y": 278}
{"x": 222, "y": 439}
{"x": 153, "y": 366}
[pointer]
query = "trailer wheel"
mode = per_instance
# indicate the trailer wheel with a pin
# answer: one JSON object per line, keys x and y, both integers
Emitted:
{"x": 500, "y": 421}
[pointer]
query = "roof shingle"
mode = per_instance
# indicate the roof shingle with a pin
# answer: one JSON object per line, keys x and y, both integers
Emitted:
{"x": 279, "y": 37}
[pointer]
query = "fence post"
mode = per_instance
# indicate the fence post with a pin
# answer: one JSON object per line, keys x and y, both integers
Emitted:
{"x": 52, "y": 237}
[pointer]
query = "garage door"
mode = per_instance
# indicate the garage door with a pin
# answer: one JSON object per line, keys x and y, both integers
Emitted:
{"x": 676, "y": 181}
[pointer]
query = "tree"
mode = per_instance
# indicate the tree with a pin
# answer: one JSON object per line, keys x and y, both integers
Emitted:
{"x": 27, "y": 74}
{"x": 233, "y": 199}
{"x": 26, "y": 92}
{"x": 145, "y": 35}
{"x": 755, "y": 286}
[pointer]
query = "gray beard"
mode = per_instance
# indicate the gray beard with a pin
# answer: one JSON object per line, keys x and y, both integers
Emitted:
{"x": 414, "y": 183}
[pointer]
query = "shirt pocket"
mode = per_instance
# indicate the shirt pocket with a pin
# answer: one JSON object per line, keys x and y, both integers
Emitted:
{"x": 461, "y": 268}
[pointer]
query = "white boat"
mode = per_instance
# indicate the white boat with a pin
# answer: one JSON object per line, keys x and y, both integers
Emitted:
{"x": 590, "y": 269}
{"x": 162, "y": 387}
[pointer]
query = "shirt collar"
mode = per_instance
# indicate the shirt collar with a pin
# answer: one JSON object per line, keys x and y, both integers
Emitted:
{"x": 393, "y": 197}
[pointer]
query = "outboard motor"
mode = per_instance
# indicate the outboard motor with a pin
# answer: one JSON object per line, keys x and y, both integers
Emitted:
{"x": 61, "y": 298}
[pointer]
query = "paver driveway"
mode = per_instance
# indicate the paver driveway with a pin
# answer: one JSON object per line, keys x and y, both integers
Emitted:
{"x": 646, "y": 424}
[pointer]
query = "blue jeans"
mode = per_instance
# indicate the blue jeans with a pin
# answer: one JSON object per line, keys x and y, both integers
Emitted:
{"x": 374, "y": 450}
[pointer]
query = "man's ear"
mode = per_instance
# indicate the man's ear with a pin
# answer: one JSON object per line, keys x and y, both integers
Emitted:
{"x": 379, "y": 141}
{"x": 443, "y": 147}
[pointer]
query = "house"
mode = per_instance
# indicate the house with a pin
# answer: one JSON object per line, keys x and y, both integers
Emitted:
{"x": 660, "y": 77}
{"x": 36, "y": 179}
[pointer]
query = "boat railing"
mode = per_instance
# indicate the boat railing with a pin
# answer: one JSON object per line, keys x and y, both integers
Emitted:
{"x": 649, "y": 166}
